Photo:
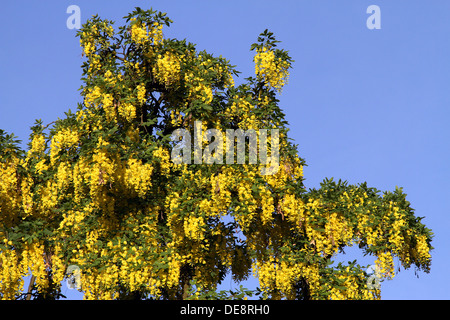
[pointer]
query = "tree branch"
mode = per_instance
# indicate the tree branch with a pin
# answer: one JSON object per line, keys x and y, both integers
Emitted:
{"x": 30, "y": 287}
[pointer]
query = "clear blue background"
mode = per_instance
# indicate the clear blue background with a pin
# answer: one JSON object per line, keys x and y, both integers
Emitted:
{"x": 363, "y": 105}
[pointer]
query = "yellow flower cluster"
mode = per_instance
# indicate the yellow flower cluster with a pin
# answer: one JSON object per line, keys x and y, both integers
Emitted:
{"x": 325, "y": 238}
{"x": 352, "y": 291}
{"x": 396, "y": 236}
{"x": 49, "y": 198}
{"x": 127, "y": 111}
{"x": 9, "y": 195}
{"x": 156, "y": 33}
{"x": 220, "y": 194}
{"x": 229, "y": 80}
{"x": 267, "y": 208}
{"x": 11, "y": 274}
{"x": 163, "y": 155}
{"x": 279, "y": 277}
{"x": 271, "y": 69}
{"x": 193, "y": 228}
{"x": 293, "y": 210}
{"x": 107, "y": 103}
{"x": 141, "y": 93}
{"x": 244, "y": 109}
{"x": 92, "y": 95}
{"x": 141, "y": 34}
{"x": 423, "y": 249}
{"x": 58, "y": 265}
{"x": 89, "y": 39}
{"x": 110, "y": 79}
{"x": 123, "y": 263}
{"x": 167, "y": 69}
{"x": 391, "y": 230}
{"x": 65, "y": 138}
{"x": 173, "y": 276}
{"x": 176, "y": 117}
{"x": 385, "y": 263}
{"x": 222, "y": 72}
{"x": 94, "y": 66}
{"x": 41, "y": 166}
{"x": 33, "y": 258}
{"x": 239, "y": 106}
{"x": 247, "y": 209}
{"x": 189, "y": 231}
{"x": 89, "y": 47}
{"x": 37, "y": 144}
{"x": 138, "y": 176}
{"x": 200, "y": 89}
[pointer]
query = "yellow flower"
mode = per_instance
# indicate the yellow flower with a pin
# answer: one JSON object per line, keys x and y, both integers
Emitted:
{"x": 65, "y": 138}
{"x": 422, "y": 249}
{"x": 141, "y": 93}
{"x": 128, "y": 111}
{"x": 138, "y": 176}
{"x": 37, "y": 144}
{"x": 167, "y": 69}
{"x": 139, "y": 32}
{"x": 41, "y": 166}
{"x": 164, "y": 157}
{"x": 270, "y": 69}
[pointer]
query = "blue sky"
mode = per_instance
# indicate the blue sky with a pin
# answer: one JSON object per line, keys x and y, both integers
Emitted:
{"x": 363, "y": 105}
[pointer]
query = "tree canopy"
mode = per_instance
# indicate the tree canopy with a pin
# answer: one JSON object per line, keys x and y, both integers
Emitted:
{"x": 98, "y": 189}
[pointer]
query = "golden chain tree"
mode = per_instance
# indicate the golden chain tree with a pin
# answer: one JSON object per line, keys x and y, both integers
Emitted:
{"x": 98, "y": 189}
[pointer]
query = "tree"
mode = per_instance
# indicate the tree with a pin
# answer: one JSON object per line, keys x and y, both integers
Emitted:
{"x": 98, "y": 190}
